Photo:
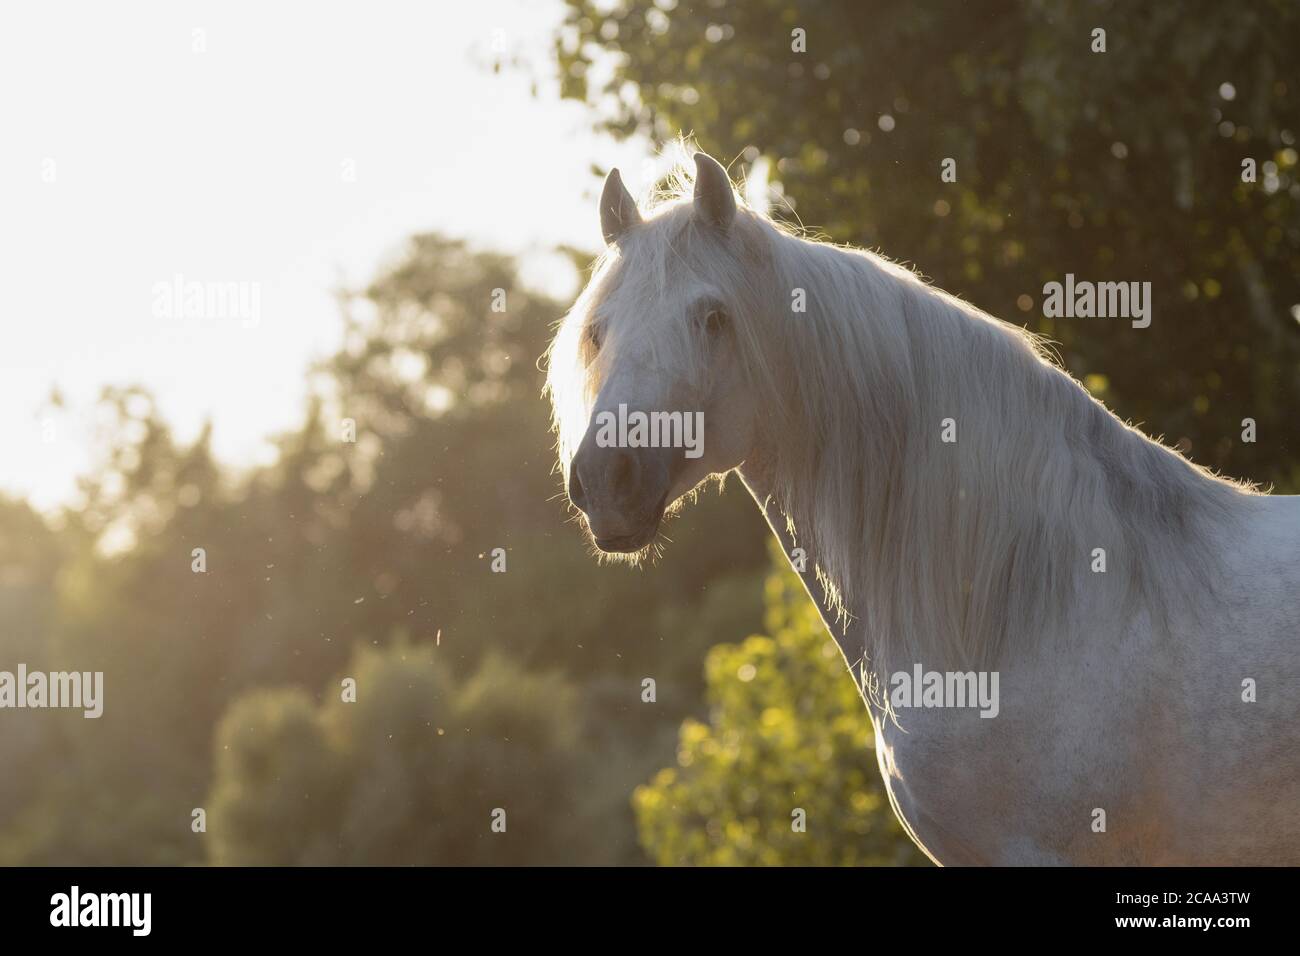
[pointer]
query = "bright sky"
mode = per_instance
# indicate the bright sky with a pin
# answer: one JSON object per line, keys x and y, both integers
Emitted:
{"x": 129, "y": 158}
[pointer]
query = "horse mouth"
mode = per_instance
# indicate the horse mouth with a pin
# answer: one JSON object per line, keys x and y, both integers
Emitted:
{"x": 636, "y": 540}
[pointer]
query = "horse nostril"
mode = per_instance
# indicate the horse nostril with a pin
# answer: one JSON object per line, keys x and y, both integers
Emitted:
{"x": 624, "y": 473}
{"x": 577, "y": 494}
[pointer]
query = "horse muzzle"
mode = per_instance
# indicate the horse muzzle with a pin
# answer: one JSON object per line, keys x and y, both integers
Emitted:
{"x": 622, "y": 492}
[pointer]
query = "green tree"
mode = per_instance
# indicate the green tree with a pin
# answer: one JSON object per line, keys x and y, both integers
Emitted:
{"x": 787, "y": 732}
{"x": 409, "y": 772}
{"x": 1116, "y": 165}
{"x": 339, "y": 544}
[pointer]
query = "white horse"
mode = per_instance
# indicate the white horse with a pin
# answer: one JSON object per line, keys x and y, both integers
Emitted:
{"x": 966, "y": 509}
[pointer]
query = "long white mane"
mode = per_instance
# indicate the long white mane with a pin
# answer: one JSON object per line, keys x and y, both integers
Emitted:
{"x": 962, "y": 543}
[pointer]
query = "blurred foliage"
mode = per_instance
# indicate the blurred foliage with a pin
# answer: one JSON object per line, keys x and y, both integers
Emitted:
{"x": 383, "y": 544}
{"x": 408, "y": 773}
{"x": 1122, "y": 165}
{"x": 371, "y": 559}
{"x": 787, "y": 732}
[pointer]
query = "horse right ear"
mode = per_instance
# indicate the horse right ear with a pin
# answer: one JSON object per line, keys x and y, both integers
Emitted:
{"x": 618, "y": 212}
{"x": 714, "y": 200}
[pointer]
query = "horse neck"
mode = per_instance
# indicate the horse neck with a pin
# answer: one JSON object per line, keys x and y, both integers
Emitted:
{"x": 948, "y": 552}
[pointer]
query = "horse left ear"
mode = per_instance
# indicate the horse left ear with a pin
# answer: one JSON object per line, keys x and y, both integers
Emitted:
{"x": 715, "y": 202}
{"x": 618, "y": 212}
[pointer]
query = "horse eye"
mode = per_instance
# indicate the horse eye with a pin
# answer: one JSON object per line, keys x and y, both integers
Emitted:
{"x": 715, "y": 321}
{"x": 594, "y": 337}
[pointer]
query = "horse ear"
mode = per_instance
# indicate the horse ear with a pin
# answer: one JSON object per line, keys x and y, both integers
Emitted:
{"x": 618, "y": 212}
{"x": 714, "y": 200}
